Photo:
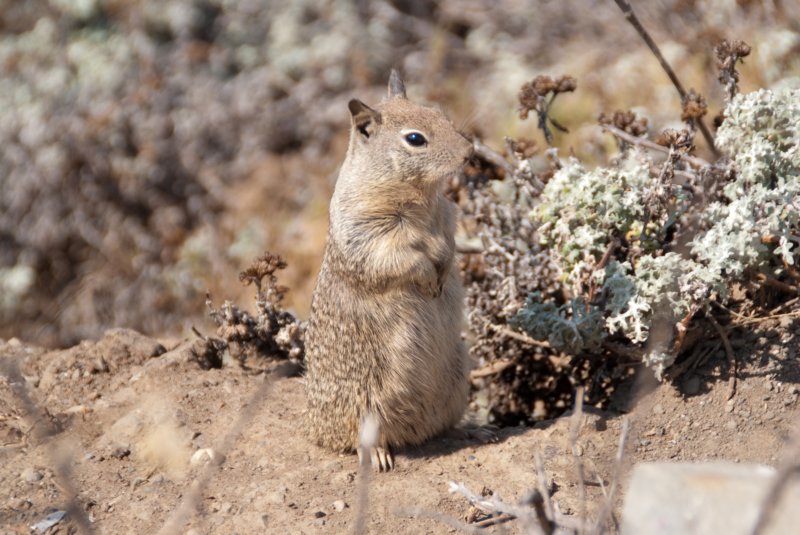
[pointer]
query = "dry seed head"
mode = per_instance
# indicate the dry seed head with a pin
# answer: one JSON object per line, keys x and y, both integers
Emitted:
{"x": 625, "y": 120}
{"x": 694, "y": 106}
{"x": 532, "y": 93}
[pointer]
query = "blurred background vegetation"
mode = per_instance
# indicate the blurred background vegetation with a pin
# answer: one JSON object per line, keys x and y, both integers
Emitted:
{"x": 149, "y": 150}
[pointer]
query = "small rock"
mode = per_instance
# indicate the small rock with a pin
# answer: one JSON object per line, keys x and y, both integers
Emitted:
{"x": 339, "y": 505}
{"x": 658, "y": 409}
{"x": 22, "y": 505}
{"x": 729, "y": 406}
{"x": 226, "y": 507}
{"x": 332, "y": 466}
{"x": 730, "y": 425}
{"x": 202, "y": 456}
{"x": 51, "y": 520}
{"x": 31, "y": 475}
{"x": 342, "y": 478}
{"x": 120, "y": 452}
{"x": 704, "y": 499}
{"x": 319, "y": 514}
{"x": 278, "y": 496}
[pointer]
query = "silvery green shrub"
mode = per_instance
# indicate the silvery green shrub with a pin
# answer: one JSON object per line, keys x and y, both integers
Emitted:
{"x": 751, "y": 226}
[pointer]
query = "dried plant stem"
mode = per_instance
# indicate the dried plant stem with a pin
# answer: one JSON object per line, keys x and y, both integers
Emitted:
{"x": 526, "y": 512}
{"x": 491, "y": 369}
{"x": 788, "y": 304}
{"x": 518, "y": 336}
{"x": 488, "y": 154}
{"x": 549, "y": 527}
{"x": 193, "y": 498}
{"x": 627, "y": 10}
{"x": 729, "y": 353}
{"x": 681, "y": 328}
{"x": 794, "y": 314}
{"x": 617, "y": 473}
{"x": 494, "y": 520}
{"x": 57, "y": 459}
{"x": 607, "y": 256}
{"x": 362, "y": 486}
{"x": 778, "y": 285}
{"x": 419, "y": 512}
{"x": 694, "y": 160}
{"x": 772, "y": 499}
{"x": 633, "y": 353}
{"x": 788, "y": 469}
{"x": 575, "y": 427}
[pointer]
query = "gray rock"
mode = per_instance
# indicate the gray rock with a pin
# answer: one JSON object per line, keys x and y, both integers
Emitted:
{"x": 31, "y": 475}
{"x": 705, "y": 499}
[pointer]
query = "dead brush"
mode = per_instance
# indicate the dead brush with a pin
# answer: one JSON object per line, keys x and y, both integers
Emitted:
{"x": 271, "y": 331}
{"x": 578, "y": 268}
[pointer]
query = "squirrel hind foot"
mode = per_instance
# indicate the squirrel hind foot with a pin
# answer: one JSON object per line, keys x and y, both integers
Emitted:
{"x": 381, "y": 459}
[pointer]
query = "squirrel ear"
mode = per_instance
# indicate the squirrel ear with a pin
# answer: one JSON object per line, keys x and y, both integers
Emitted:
{"x": 396, "y": 86}
{"x": 363, "y": 118}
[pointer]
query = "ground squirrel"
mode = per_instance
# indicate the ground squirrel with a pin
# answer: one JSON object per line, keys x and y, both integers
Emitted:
{"x": 384, "y": 335}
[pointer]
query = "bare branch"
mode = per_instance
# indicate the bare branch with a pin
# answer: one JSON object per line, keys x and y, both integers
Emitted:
{"x": 575, "y": 426}
{"x": 548, "y": 502}
{"x": 627, "y": 10}
{"x": 617, "y": 473}
{"x": 694, "y": 160}
{"x": 728, "y": 353}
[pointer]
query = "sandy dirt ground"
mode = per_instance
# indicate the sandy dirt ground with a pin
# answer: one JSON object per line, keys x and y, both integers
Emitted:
{"x": 137, "y": 437}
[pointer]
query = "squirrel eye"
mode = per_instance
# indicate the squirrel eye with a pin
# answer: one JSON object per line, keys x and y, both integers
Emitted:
{"x": 415, "y": 139}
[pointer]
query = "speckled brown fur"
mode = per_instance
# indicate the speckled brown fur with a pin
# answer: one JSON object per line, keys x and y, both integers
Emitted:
{"x": 384, "y": 335}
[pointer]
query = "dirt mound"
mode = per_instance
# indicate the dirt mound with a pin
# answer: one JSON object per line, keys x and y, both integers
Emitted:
{"x": 129, "y": 431}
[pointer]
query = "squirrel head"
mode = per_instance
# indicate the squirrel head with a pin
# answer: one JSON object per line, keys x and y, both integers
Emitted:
{"x": 401, "y": 141}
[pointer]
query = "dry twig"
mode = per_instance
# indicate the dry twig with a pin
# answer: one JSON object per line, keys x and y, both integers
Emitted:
{"x": 627, "y": 10}
{"x": 694, "y": 160}
{"x": 61, "y": 466}
{"x": 729, "y": 353}
{"x": 575, "y": 426}
{"x": 789, "y": 468}
{"x": 617, "y": 473}
{"x": 193, "y": 498}
{"x": 419, "y": 512}
{"x": 512, "y": 171}
{"x": 545, "y": 492}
